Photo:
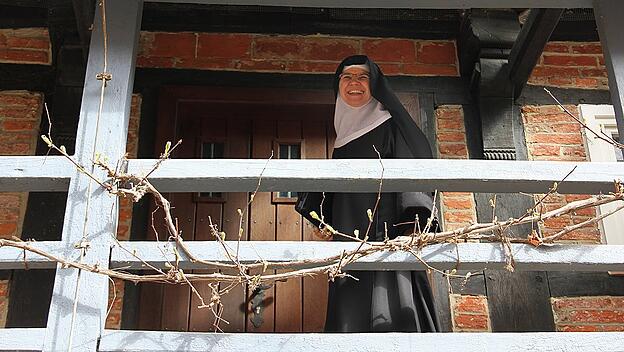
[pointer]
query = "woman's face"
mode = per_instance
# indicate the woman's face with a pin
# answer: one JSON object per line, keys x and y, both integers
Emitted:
{"x": 354, "y": 87}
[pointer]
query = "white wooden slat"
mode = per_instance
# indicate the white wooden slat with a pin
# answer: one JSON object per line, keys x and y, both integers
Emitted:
{"x": 421, "y": 4}
{"x": 358, "y": 175}
{"x": 21, "y": 339}
{"x": 79, "y": 299}
{"x": 472, "y": 256}
{"x": 153, "y": 341}
{"x": 34, "y": 173}
{"x": 237, "y": 175}
{"x": 13, "y": 258}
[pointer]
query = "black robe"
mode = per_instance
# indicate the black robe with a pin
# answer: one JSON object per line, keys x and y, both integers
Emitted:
{"x": 379, "y": 300}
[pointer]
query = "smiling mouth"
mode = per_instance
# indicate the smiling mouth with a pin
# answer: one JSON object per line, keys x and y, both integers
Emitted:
{"x": 355, "y": 92}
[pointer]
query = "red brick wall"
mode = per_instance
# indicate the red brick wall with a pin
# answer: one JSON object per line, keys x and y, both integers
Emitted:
{"x": 20, "y": 114}
{"x": 571, "y": 65}
{"x": 458, "y": 208}
{"x": 294, "y": 53}
{"x": 598, "y": 313}
{"x": 553, "y": 135}
{"x": 25, "y": 46}
{"x": 469, "y": 313}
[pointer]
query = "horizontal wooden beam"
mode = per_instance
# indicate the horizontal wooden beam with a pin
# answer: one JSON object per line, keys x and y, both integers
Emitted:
{"x": 362, "y": 175}
{"x": 21, "y": 339}
{"x": 152, "y": 341}
{"x": 39, "y": 173}
{"x": 34, "y": 173}
{"x": 410, "y": 4}
{"x": 472, "y": 256}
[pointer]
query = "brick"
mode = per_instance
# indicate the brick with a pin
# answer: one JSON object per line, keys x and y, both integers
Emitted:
{"x": 20, "y": 125}
{"x": 231, "y": 46}
{"x": 205, "y": 63}
{"x": 28, "y": 43}
{"x": 555, "y": 47}
{"x": 331, "y": 49}
{"x": 576, "y": 303}
{"x": 592, "y": 72}
{"x": 612, "y": 327}
{"x": 470, "y": 304}
{"x": 543, "y": 109}
{"x": 457, "y": 195}
{"x": 304, "y": 48}
{"x": 450, "y": 124}
{"x": 459, "y": 217}
{"x": 9, "y": 215}
{"x": 390, "y": 50}
{"x": 543, "y": 71}
{"x": 163, "y": 44}
{"x": 594, "y": 316}
{"x": 390, "y": 69}
{"x": 20, "y": 112}
{"x": 542, "y": 150}
{"x": 157, "y": 62}
{"x": 453, "y": 150}
{"x": 561, "y": 81}
{"x": 578, "y": 328}
{"x": 558, "y": 222}
{"x": 20, "y": 98}
{"x": 577, "y": 151}
{"x": 452, "y": 203}
{"x": 10, "y": 200}
{"x": 29, "y": 32}
{"x": 261, "y": 65}
{"x": 587, "y": 48}
{"x": 585, "y": 212}
{"x": 453, "y": 137}
{"x": 312, "y": 66}
{"x": 437, "y": 53}
{"x": 15, "y": 149}
{"x": 472, "y": 322}
{"x": 589, "y": 235}
{"x": 430, "y": 70}
{"x": 556, "y": 138}
{"x": 584, "y": 82}
{"x": 569, "y": 60}
{"x": 7, "y": 229}
{"x": 575, "y": 197}
{"x": 24, "y": 56}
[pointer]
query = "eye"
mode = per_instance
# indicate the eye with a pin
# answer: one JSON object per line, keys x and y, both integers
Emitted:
{"x": 346, "y": 76}
{"x": 363, "y": 78}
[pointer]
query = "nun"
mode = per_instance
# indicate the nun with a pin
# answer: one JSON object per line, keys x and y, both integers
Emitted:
{"x": 369, "y": 118}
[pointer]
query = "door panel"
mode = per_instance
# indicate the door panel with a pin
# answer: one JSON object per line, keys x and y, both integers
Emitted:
{"x": 245, "y": 130}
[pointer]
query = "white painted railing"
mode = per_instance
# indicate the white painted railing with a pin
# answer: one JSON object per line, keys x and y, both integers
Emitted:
{"x": 344, "y": 175}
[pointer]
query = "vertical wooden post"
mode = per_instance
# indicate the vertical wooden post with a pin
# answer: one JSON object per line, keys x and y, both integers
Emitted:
{"x": 608, "y": 15}
{"x": 79, "y": 301}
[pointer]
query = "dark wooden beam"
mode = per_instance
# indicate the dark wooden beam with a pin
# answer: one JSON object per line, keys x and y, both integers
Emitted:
{"x": 12, "y": 16}
{"x": 83, "y": 10}
{"x": 530, "y": 44}
{"x": 610, "y": 26}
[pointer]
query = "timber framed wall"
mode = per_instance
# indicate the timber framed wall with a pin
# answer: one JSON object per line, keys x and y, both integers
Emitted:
{"x": 26, "y": 174}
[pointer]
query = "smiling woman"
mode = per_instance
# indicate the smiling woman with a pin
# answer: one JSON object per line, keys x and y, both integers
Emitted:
{"x": 369, "y": 119}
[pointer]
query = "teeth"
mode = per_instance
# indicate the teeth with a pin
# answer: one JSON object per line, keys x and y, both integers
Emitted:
{"x": 355, "y": 92}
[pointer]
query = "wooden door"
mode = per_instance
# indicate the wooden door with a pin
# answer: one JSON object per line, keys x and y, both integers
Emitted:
{"x": 237, "y": 126}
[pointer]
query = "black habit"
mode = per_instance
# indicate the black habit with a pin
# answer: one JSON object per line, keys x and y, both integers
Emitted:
{"x": 379, "y": 300}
